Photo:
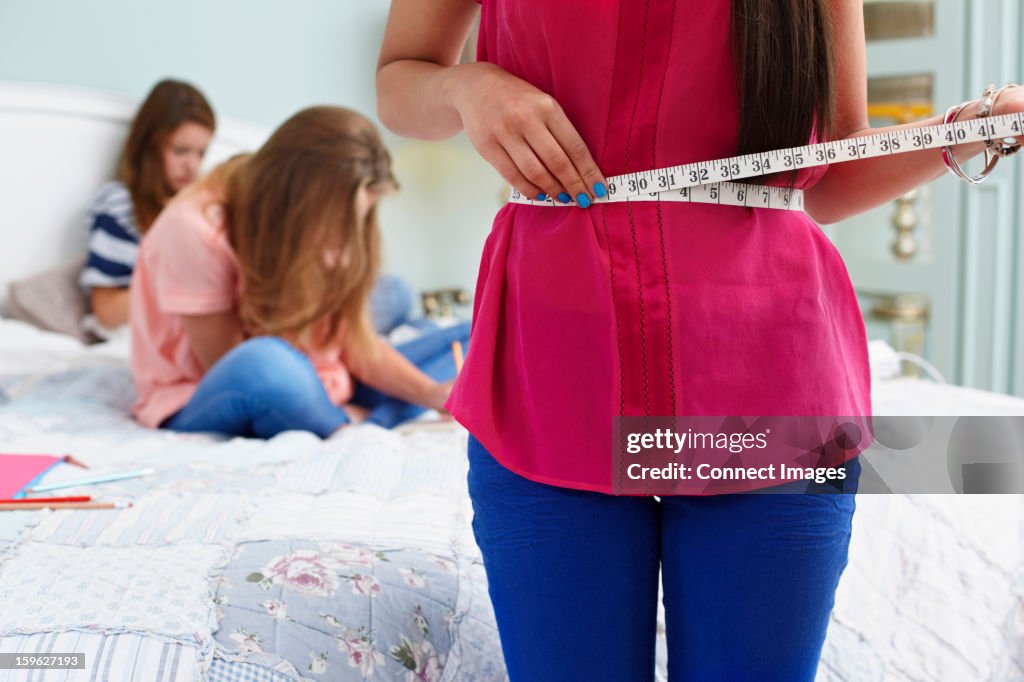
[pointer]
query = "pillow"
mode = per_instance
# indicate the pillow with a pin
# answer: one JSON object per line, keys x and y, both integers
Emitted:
{"x": 52, "y": 300}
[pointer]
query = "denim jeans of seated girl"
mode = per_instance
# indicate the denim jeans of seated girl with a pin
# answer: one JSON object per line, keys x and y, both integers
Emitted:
{"x": 265, "y": 386}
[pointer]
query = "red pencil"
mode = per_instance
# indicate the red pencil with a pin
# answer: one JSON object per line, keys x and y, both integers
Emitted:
{"x": 37, "y": 500}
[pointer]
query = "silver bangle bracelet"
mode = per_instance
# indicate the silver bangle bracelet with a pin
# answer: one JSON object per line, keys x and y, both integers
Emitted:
{"x": 947, "y": 152}
{"x": 1004, "y": 146}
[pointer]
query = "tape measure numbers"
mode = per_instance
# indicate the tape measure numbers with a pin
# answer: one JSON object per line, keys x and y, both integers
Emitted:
{"x": 713, "y": 181}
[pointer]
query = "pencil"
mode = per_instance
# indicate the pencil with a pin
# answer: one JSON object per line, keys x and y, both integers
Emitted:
{"x": 30, "y": 500}
{"x": 6, "y": 506}
{"x": 92, "y": 480}
{"x": 457, "y": 354}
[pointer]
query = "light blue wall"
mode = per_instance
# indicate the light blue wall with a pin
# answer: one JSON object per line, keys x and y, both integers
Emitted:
{"x": 259, "y": 62}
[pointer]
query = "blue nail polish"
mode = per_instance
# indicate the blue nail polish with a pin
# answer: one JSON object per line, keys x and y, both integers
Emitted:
{"x": 564, "y": 198}
{"x": 542, "y": 197}
{"x": 600, "y": 190}
{"x": 583, "y": 200}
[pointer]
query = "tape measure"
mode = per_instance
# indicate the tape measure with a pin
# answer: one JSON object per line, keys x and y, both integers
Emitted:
{"x": 713, "y": 181}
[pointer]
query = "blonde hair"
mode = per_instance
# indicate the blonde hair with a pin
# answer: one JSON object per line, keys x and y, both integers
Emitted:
{"x": 292, "y": 204}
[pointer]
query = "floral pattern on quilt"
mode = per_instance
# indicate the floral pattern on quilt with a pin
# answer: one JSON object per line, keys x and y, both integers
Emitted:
{"x": 341, "y": 611}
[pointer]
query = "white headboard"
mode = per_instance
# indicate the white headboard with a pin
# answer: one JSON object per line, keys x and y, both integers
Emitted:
{"x": 57, "y": 146}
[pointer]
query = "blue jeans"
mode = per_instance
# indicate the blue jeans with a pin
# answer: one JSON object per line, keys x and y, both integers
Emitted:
{"x": 748, "y": 579}
{"x": 264, "y": 386}
{"x": 390, "y": 302}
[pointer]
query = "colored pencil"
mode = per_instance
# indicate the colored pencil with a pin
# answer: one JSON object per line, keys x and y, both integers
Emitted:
{"x": 64, "y": 505}
{"x": 457, "y": 354}
{"x": 93, "y": 480}
{"x": 30, "y": 500}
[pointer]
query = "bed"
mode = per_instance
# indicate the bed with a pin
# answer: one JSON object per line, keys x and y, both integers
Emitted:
{"x": 352, "y": 559}
{"x": 239, "y": 559}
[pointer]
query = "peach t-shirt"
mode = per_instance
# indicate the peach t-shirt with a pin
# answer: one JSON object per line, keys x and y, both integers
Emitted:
{"x": 186, "y": 266}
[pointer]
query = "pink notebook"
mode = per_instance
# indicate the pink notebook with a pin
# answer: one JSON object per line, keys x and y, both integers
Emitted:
{"x": 18, "y": 472}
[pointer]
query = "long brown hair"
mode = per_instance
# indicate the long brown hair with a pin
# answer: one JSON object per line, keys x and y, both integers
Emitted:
{"x": 785, "y": 73}
{"x": 291, "y": 204}
{"x": 169, "y": 104}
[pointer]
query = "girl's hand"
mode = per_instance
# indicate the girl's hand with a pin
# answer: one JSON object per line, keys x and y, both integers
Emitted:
{"x": 439, "y": 396}
{"x": 524, "y": 134}
{"x": 1010, "y": 102}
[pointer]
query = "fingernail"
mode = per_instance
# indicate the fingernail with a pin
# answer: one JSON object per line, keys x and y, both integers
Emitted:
{"x": 542, "y": 197}
{"x": 600, "y": 190}
{"x": 564, "y": 198}
{"x": 583, "y": 200}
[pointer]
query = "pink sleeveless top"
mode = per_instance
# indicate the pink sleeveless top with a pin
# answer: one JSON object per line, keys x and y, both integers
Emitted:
{"x": 581, "y": 315}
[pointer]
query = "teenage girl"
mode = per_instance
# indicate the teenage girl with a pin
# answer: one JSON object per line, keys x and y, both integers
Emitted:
{"x": 250, "y": 296}
{"x": 586, "y": 313}
{"x": 165, "y": 147}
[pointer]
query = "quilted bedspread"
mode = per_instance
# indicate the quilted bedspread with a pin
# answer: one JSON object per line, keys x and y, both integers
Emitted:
{"x": 353, "y": 559}
{"x": 240, "y": 559}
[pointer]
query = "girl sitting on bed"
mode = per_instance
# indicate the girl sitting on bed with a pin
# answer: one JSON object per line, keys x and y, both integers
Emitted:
{"x": 250, "y": 295}
{"x": 161, "y": 156}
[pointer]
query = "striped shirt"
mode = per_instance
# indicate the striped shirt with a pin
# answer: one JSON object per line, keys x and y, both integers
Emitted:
{"x": 113, "y": 239}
